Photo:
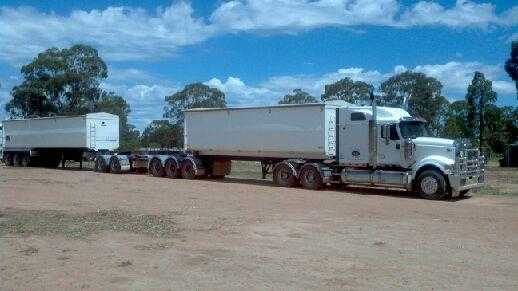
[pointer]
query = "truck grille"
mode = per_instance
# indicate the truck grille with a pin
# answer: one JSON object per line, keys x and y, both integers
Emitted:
{"x": 469, "y": 162}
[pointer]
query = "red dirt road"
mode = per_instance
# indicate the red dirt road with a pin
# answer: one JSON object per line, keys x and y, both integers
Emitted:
{"x": 239, "y": 233}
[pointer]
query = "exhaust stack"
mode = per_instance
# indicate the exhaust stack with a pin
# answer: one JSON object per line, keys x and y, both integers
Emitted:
{"x": 373, "y": 134}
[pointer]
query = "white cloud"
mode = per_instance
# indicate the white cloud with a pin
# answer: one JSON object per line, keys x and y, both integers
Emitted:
{"x": 464, "y": 13}
{"x": 144, "y": 92}
{"x": 512, "y": 38}
{"x": 302, "y": 14}
{"x": 295, "y": 15}
{"x": 238, "y": 93}
{"x": 455, "y": 77}
{"x": 123, "y": 33}
{"x": 120, "y": 33}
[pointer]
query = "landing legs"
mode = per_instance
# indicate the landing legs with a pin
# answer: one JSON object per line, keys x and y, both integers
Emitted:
{"x": 266, "y": 168}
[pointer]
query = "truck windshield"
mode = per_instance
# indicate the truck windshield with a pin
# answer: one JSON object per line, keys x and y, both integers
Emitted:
{"x": 413, "y": 129}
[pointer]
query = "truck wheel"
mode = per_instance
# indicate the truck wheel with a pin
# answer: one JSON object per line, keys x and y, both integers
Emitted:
{"x": 17, "y": 160}
{"x": 310, "y": 178}
{"x": 8, "y": 158}
{"x": 463, "y": 193}
{"x": 100, "y": 165}
{"x": 25, "y": 161}
{"x": 188, "y": 170}
{"x": 156, "y": 169}
{"x": 283, "y": 176}
{"x": 431, "y": 185}
{"x": 171, "y": 169}
{"x": 115, "y": 166}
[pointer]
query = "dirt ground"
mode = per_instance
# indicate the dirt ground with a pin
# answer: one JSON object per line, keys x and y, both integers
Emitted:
{"x": 70, "y": 229}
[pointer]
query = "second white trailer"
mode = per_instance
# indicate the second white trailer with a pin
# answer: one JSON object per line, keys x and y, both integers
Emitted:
{"x": 50, "y": 140}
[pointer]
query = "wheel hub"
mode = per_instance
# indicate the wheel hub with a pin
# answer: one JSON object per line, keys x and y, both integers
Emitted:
{"x": 429, "y": 185}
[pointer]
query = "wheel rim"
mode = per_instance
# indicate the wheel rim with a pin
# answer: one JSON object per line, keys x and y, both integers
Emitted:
{"x": 309, "y": 177}
{"x": 171, "y": 169}
{"x": 115, "y": 166}
{"x": 284, "y": 174}
{"x": 156, "y": 167}
{"x": 429, "y": 185}
{"x": 190, "y": 170}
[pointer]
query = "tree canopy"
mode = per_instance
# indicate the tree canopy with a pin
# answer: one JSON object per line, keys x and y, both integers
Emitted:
{"x": 196, "y": 95}
{"x": 298, "y": 97}
{"x": 162, "y": 134}
{"x": 511, "y": 65}
{"x": 419, "y": 93}
{"x": 68, "y": 82}
{"x": 59, "y": 81}
{"x": 480, "y": 94}
{"x": 356, "y": 92}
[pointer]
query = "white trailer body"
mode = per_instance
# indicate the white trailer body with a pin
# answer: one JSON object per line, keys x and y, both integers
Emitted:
{"x": 284, "y": 131}
{"x": 93, "y": 131}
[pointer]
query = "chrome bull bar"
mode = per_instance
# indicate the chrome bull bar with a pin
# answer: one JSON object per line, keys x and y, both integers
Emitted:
{"x": 469, "y": 170}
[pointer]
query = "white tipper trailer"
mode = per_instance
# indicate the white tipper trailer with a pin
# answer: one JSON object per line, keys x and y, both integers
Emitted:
{"x": 48, "y": 141}
{"x": 314, "y": 145}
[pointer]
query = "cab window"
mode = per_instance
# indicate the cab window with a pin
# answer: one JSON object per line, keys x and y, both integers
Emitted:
{"x": 393, "y": 132}
{"x": 355, "y": 116}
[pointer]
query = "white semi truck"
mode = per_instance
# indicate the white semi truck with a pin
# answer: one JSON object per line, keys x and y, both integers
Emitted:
{"x": 314, "y": 145}
{"x": 47, "y": 141}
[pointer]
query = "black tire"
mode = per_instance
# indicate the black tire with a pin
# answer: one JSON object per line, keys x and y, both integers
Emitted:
{"x": 100, "y": 165}
{"x": 432, "y": 185}
{"x": 96, "y": 165}
{"x": 171, "y": 169}
{"x": 463, "y": 193}
{"x": 188, "y": 171}
{"x": 115, "y": 166}
{"x": 283, "y": 176}
{"x": 156, "y": 169}
{"x": 8, "y": 160}
{"x": 17, "y": 160}
{"x": 25, "y": 161}
{"x": 310, "y": 178}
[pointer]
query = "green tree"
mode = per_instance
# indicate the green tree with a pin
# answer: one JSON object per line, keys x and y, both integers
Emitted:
{"x": 60, "y": 81}
{"x": 115, "y": 104}
{"x": 437, "y": 124}
{"x": 418, "y": 93}
{"x": 356, "y": 92}
{"x": 298, "y": 97}
{"x": 496, "y": 134}
{"x": 455, "y": 126}
{"x": 480, "y": 94}
{"x": 196, "y": 95}
{"x": 511, "y": 65}
{"x": 162, "y": 134}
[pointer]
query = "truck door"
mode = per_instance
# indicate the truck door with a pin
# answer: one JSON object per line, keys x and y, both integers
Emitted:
{"x": 389, "y": 146}
{"x": 353, "y": 138}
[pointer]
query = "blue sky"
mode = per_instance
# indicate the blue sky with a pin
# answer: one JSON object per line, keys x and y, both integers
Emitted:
{"x": 258, "y": 50}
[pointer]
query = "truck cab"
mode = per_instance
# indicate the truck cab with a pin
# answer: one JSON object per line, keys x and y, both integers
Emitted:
{"x": 398, "y": 150}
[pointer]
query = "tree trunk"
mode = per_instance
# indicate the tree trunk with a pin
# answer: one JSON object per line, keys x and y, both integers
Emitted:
{"x": 482, "y": 125}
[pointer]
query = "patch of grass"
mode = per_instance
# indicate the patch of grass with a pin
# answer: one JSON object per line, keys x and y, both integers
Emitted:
{"x": 500, "y": 181}
{"x": 246, "y": 169}
{"x": 52, "y": 222}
